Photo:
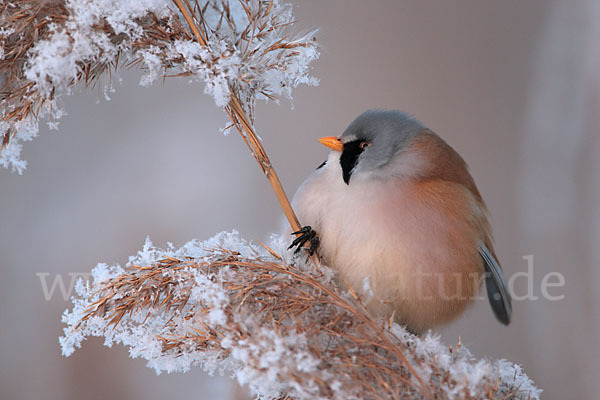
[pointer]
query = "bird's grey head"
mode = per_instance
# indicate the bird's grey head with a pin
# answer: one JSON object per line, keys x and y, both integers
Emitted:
{"x": 374, "y": 138}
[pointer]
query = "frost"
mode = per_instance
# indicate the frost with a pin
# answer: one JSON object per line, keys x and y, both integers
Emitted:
{"x": 257, "y": 57}
{"x": 227, "y": 306}
{"x": 10, "y": 155}
{"x": 366, "y": 289}
{"x": 153, "y": 63}
{"x": 103, "y": 272}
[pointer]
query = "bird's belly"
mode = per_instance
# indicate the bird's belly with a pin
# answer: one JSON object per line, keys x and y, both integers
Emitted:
{"x": 421, "y": 262}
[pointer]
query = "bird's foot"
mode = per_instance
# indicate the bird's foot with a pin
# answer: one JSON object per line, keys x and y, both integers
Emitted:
{"x": 307, "y": 234}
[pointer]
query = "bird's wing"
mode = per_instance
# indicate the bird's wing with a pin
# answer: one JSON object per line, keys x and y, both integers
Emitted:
{"x": 497, "y": 289}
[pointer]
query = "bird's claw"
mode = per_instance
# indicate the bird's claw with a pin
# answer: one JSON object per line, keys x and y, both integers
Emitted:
{"x": 307, "y": 234}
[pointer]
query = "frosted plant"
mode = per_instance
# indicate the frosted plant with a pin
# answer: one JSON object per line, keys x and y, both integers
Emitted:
{"x": 275, "y": 322}
{"x": 242, "y": 50}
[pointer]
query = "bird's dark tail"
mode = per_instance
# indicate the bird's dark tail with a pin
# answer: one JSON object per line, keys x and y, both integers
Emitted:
{"x": 496, "y": 286}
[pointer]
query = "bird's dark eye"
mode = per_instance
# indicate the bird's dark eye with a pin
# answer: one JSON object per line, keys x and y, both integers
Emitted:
{"x": 364, "y": 144}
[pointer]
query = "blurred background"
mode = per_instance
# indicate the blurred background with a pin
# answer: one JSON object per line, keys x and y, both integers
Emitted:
{"x": 512, "y": 85}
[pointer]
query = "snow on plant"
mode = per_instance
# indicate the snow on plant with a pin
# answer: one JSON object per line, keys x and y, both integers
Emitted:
{"x": 238, "y": 48}
{"x": 275, "y": 322}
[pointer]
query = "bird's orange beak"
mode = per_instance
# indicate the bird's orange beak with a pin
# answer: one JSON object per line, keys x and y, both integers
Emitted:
{"x": 332, "y": 142}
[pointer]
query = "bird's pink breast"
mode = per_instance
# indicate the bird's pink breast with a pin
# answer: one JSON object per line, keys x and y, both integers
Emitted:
{"x": 417, "y": 243}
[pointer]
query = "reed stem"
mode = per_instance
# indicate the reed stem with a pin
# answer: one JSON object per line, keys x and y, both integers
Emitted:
{"x": 240, "y": 120}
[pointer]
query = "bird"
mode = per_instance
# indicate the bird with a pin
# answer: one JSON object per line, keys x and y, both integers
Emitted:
{"x": 395, "y": 211}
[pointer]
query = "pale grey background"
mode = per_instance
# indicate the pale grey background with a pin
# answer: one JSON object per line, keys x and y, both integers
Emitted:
{"x": 512, "y": 85}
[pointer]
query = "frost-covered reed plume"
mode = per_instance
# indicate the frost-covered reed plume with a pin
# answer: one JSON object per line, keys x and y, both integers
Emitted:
{"x": 275, "y": 322}
{"x": 242, "y": 50}
{"x": 278, "y": 323}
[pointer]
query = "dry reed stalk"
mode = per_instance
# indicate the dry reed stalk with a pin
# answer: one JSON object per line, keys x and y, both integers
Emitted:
{"x": 246, "y": 130}
{"x": 280, "y": 325}
{"x": 240, "y": 120}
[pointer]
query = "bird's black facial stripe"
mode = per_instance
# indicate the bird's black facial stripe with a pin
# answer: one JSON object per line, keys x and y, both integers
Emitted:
{"x": 322, "y": 164}
{"x": 349, "y": 158}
